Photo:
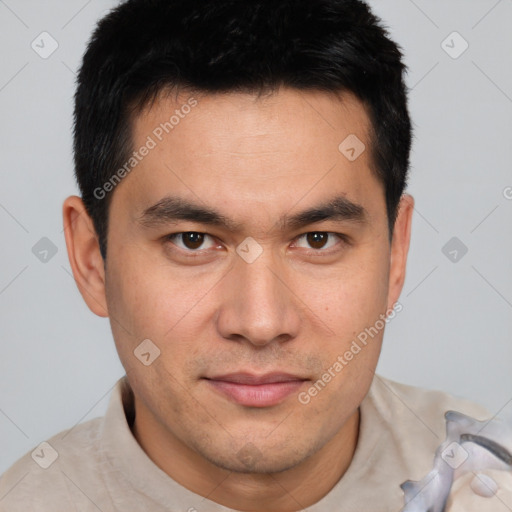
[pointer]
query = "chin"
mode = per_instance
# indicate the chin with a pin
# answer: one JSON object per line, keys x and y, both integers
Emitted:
{"x": 258, "y": 457}
{"x": 261, "y": 465}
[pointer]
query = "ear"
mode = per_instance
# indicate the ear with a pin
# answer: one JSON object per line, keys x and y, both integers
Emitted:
{"x": 400, "y": 248}
{"x": 84, "y": 255}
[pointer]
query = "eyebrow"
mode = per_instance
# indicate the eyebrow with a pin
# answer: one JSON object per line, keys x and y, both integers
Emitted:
{"x": 173, "y": 208}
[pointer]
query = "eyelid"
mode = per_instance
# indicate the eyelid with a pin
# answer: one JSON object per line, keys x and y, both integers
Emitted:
{"x": 171, "y": 236}
{"x": 343, "y": 238}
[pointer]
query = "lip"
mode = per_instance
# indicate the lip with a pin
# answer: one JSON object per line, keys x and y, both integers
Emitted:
{"x": 255, "y": 380}
{"x": 256, "y": 390}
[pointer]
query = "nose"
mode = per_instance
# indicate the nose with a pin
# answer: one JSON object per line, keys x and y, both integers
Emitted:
{"x": 258, "y": 303}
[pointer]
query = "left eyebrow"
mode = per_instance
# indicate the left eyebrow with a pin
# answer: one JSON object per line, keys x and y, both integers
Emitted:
{"x": 337, "y": 209}
{"x": 172, "y": 208}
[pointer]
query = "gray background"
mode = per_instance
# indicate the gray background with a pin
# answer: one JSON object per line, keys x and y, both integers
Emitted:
{"x": 58, "y": 361}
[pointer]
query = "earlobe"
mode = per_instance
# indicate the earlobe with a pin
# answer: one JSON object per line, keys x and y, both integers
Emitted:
{"x": 84, "y": 255}
{"x": 400, "y": 248}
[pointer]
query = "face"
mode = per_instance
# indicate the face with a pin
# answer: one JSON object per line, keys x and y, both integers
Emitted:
{"x": 252, "y": 251}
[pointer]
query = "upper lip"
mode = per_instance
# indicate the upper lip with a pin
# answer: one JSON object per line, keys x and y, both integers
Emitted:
{"x": 251, "y": 379}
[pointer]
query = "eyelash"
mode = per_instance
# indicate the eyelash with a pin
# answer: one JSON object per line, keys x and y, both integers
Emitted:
{"x": 316, "y": 252}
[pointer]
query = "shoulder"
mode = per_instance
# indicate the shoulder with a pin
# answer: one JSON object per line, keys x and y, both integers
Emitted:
{"x": 44, "y": 476}
{"x": 409, "y": 423}
{"x": 396, "y": 401}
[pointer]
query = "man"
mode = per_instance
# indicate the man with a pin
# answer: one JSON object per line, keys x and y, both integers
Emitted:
{"x": 243, "y": 224}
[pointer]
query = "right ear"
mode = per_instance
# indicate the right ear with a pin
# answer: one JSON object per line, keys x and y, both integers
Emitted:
{"x": 84, "y": 255}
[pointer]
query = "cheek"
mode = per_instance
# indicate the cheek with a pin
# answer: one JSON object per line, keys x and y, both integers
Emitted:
{"x": 153, "y": 296}
{"x": 148, "y": 299}
{"x": 350, "y": 297}
{"x": 351, "y": 304}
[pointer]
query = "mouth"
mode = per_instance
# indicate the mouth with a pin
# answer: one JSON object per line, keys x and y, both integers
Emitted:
{"x": 256, "y": 390}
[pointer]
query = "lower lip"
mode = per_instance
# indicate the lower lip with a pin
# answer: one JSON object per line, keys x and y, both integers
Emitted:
{"x": 262, "y": 395}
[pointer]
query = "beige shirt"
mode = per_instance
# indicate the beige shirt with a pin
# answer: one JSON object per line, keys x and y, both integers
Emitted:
{"x": 100, "y": 466}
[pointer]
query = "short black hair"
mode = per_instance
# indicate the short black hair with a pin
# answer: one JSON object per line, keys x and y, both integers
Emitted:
{"x": 143, "y": 47}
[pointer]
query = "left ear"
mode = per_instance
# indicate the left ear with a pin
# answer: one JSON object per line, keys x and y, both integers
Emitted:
{"x": 400, "y": 248}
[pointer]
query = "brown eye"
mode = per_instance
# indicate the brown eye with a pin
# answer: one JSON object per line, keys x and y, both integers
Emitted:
{"x": 320, "y": 241}
{"x": 317, "y": 239}
{"x": 192, "y": 240}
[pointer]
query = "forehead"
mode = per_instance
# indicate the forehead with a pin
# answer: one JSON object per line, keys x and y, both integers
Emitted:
{"x": 230, "y": 120}
{"x": 252, "y": 154}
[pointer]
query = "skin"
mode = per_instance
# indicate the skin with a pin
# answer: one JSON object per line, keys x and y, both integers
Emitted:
{"x": 295, "y": 309}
